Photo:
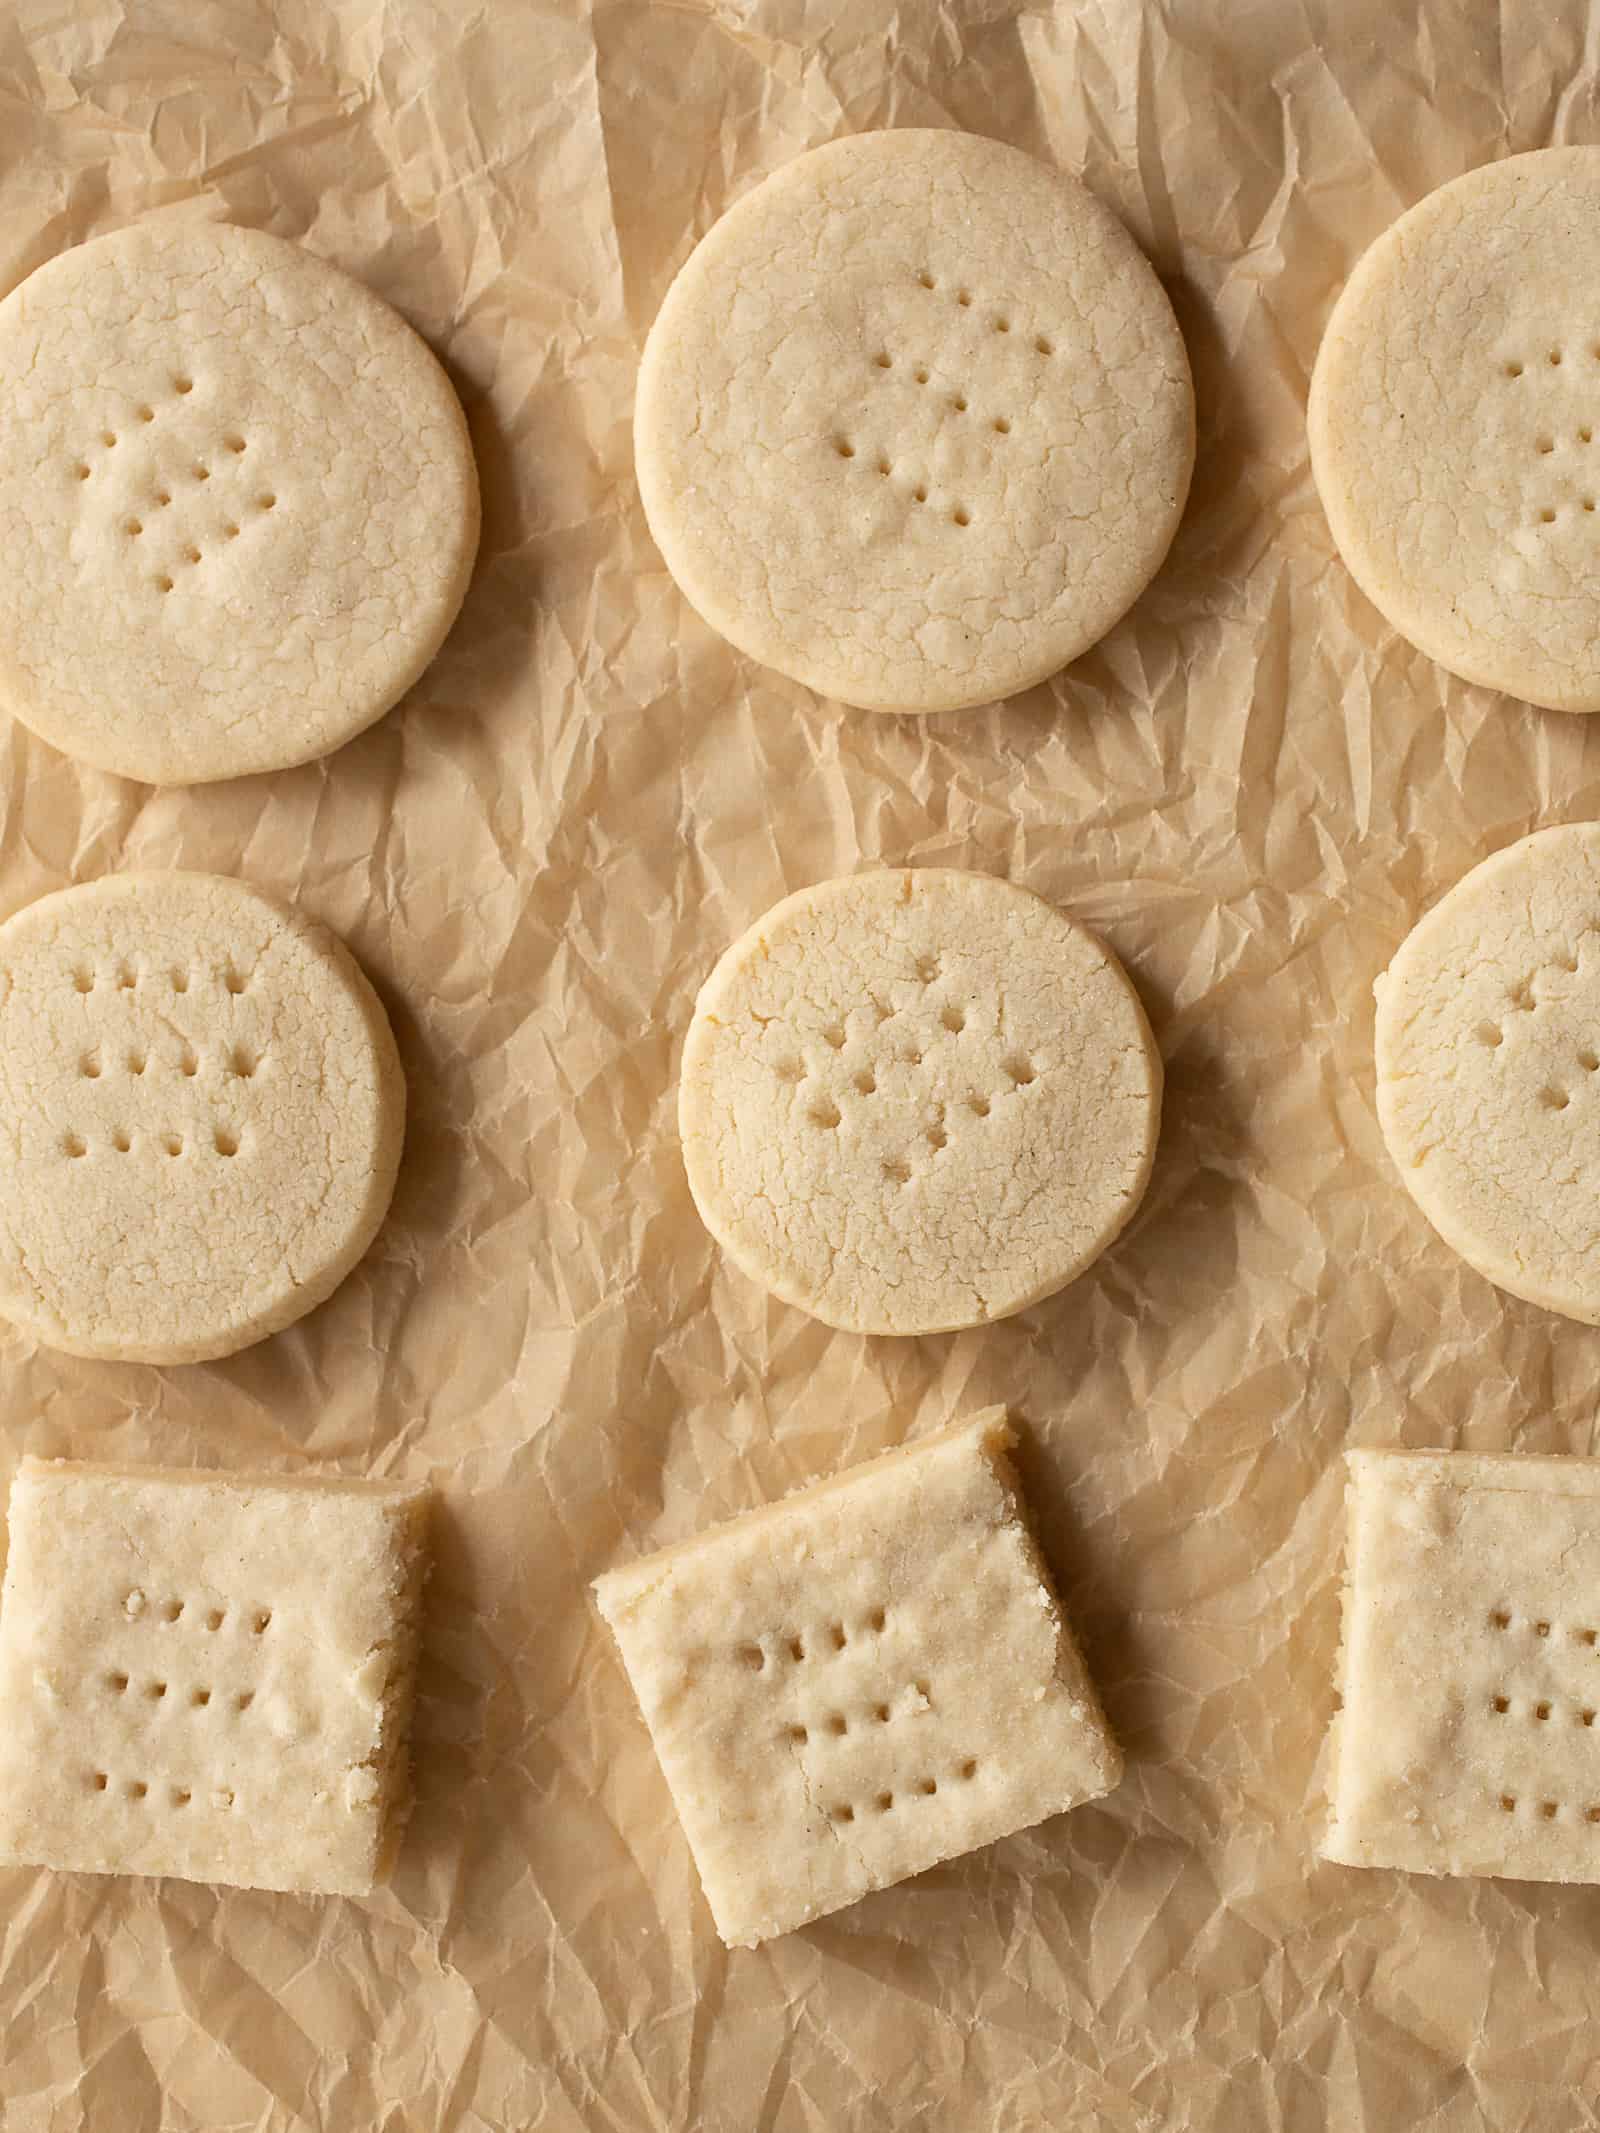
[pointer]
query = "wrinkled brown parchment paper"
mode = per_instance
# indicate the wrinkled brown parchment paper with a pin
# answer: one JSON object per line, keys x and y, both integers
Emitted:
{"x": 1251, "y": 788}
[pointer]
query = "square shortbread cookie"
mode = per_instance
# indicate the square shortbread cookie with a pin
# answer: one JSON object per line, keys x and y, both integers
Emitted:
{"x": 1467, "y": 1742}
{"x": 208, "y": 1675}
{"x": 860, "y": 1681}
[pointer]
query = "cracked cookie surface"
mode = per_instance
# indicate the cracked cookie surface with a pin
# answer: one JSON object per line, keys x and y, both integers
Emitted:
{"x": 915, "y": 424}
{"x": 201, "y": 1111}
{"x": 237, "y": 500}
{"x": 1453, "y": 419}
{"x": 917, "y": 1100}
{"x": 1488, "y": 1059}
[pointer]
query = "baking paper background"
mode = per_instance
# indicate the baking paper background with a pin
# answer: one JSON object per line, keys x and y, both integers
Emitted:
{"x": 1251, "y": 788}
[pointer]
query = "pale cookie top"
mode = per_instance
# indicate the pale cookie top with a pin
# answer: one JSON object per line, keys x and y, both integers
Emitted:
{"x": 1468, "y": 1740}
{"x": 238, "y": 504}
{"x": 1488, "y": 1053}
{"x": 1454, "y": 414}
{"x": 915, "y": 425}
{"x": 207, "y": 1674}
{"x": 851, "y": 1685}
{"x": 917, "y": 1100}
{"x": 201, "y": 1111}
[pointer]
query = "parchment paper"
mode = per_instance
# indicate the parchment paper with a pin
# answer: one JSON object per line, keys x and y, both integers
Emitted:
{"x": 1252, "y": 788}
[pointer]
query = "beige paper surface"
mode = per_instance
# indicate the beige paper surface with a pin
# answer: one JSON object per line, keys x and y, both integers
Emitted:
{"x": 1251, "y": 788}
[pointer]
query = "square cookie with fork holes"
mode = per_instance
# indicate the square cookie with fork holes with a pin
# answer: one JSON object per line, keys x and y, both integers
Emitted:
{"x": 208, "y": 1675}
{"x": 860, "y": 1681}
{"x": 1467, "y": 1742}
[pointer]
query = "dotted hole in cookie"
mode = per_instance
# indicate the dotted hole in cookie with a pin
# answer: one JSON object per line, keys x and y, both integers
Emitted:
{"x": 1554, "y": 1099}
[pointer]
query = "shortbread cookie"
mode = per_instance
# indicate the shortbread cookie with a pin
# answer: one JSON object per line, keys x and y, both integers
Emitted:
{"x": 852, "y": 1685}
{"x": 208, "y": 1675}
{"x": 917, "y": 1100}
{"x": 1488, "y": 1050}
{"x": 915, "y": 425}
{"x": 238, "y": 505}
{"x": 1467, "y": 1741}
{"x": 201, "y": 1111}
{"x": 1454, "y": 418}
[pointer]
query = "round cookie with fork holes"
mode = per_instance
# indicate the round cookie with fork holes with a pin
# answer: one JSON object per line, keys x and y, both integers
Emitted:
{"x": 1488, "y": 1054}
{"x": 1454, "y": 425}
{"x": 915, "y": 424}
{"x": 238, "y": 503}
{"x": 201, "y": 1112}
{"x": 919, "y": 1100}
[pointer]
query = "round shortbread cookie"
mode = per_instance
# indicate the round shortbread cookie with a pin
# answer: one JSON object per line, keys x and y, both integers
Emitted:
{"x": 915, "y": 423}
{"x": 1454, "y": 425}
{"x": 238, "y": 503}
{"x": 1488, "y": 1052}
{"x": 918, "y": 1100}
{"x": 201, "y": 1111}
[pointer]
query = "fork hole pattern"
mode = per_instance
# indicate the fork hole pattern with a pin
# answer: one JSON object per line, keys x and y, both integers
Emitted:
{"x": 1544, "y": 1810}
{"x": 923, "y": 1788}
